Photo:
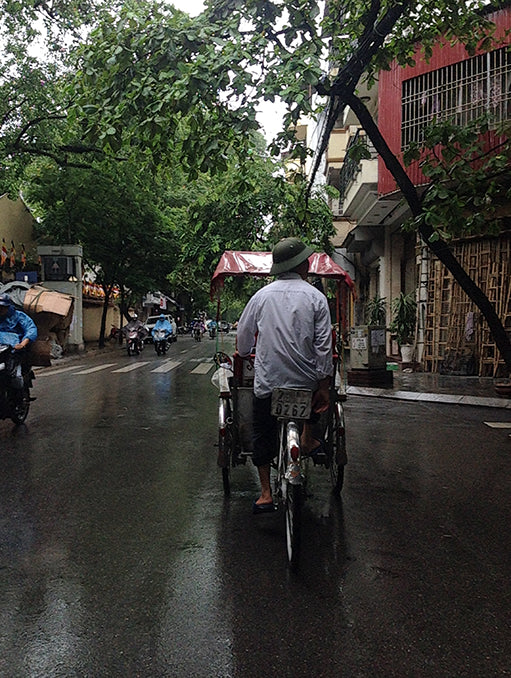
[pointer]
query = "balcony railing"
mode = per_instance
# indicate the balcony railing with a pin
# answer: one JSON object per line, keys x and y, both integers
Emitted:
{"x": 351, "y": 166}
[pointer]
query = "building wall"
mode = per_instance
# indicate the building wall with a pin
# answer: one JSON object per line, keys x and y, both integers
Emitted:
{"x": 17, "y": 224}
{"x": 457, "y": 337}
{"x": 445, "y": 312}
{"x": 92, "y": 320}
{"x": 390, "y": 94}
{"x": 337, "y": 146}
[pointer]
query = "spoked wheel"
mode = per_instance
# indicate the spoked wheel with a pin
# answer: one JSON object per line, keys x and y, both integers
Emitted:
{"x": 226, "y": 480}
{"x": 336, "y": 448}
{"x": 293, "y": 509}
{"x": 225, "y": 459}
{"x": 20, "y": 409}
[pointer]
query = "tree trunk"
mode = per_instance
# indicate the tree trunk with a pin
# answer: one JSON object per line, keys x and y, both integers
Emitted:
{"x": 102, "y": 329}
{"x": 438, "y": 246}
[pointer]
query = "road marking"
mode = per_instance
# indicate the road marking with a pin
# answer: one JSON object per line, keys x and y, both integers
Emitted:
{"x": 97, "y": 369}
{"x": 59, "y": 371}
{"x": 130, "y": 368}
{"x": 203, "y": 368}
{"x": 167, "y": 366}
{"x": 498, "y": 424}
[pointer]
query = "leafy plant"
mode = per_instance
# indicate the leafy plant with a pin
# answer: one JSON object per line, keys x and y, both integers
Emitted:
{"x": 376, "y": 310}
{"x": 404, "y": 312}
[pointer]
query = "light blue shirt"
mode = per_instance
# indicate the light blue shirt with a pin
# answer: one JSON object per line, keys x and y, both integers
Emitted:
{"x": 294, "y": 335}
{"x": 17, "y": 326}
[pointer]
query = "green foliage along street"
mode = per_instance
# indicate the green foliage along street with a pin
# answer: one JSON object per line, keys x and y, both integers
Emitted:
{"x": 163, "y": 105}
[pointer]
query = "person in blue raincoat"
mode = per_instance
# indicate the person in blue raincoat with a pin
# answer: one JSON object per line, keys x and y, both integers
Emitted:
{"x": 162, "y": 324}
{"x": 17, "y": 329}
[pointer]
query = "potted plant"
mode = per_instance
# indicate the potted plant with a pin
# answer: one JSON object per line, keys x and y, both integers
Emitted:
{"x": 404, "y": 316}
{"x": 376, "y": 311}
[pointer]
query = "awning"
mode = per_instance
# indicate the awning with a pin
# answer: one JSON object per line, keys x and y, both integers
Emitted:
{"x": 258, "y": 264}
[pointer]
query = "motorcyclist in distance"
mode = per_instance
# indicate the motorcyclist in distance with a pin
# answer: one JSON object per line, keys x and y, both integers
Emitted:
{"x": 138, "y": 326}
{"x": 212, "y": 327}
{"x": 162, "y": 324}
{"x": 17, "y": 329}
{"x": 135, "y": 324}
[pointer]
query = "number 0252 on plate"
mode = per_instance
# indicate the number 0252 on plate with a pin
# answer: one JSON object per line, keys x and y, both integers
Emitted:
{"x": 292, "y": 403}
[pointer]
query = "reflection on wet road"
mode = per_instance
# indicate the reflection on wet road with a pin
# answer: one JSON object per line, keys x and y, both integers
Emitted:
{"x": 120, "y": 557}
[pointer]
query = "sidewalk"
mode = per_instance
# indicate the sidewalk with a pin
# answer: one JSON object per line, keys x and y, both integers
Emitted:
{"x": 417, "y": 386}
{"x": 438, "y": 388}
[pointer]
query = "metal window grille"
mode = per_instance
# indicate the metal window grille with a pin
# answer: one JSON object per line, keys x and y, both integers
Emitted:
{"x": 351, "y": 167}
{"x": 460, "y": 92}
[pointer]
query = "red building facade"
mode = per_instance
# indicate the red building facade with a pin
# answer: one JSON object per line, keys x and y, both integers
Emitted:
{"x": 451, "y": 85}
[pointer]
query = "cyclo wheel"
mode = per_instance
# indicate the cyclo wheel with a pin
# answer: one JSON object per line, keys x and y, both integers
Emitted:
{"x": 336, "y": 448}
{"x": 293, "y": 510}
{"x": 226, "y": 480}
{"x": 225, "y": 448}
{"x": 292, "y": 497}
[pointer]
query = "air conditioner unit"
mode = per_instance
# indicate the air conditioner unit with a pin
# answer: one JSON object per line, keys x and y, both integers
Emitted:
{"x": 336, "y": 207}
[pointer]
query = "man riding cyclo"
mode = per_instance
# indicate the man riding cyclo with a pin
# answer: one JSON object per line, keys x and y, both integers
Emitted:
{"x": 291, "y": 321}
{"x": 17, "y": 330}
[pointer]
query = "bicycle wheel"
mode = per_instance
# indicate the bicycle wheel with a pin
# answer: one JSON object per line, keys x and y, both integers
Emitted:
{"x": 226, "y": 480}
{"x": 337, "y": 447}
{"x": 225, "y": 445}
{"x": 293, "y": 510}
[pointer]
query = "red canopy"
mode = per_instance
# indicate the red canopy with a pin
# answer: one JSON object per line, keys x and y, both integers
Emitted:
{"x": 259, "y": 264}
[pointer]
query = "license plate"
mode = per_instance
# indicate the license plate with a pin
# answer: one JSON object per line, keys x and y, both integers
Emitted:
{"x": 291, "y": 403}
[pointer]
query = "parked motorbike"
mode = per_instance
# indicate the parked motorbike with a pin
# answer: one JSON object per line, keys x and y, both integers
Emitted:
{"x": 115, "y": 334}
{"x": 161, "y": 342}
{"x": 134, "y": 342}
{"x": 14, "y": 403}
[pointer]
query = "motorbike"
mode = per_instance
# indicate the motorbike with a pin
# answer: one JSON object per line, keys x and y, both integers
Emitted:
{"x": 212, "y": 332}
{"x": 134, "y": 342}
{"x": 161, "y": 342}
{"x": 115, "y": 334}
{"x": 197, "y": 333}
{"x": 14, "y": 403}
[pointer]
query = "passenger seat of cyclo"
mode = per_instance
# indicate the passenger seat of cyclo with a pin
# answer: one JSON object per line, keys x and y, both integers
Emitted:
{"x": 243, "y": 367}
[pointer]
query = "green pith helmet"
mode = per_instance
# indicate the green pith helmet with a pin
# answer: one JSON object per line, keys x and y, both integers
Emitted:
{"x": 289, "y": 253}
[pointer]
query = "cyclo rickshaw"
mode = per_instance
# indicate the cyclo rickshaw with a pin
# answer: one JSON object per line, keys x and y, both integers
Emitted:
{"x": 235, "y": 377}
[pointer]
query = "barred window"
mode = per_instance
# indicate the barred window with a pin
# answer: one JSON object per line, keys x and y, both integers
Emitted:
{"x": 460, "y": 92}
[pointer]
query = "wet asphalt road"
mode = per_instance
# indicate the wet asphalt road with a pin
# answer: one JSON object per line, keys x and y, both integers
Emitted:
{"x": 119, "y": 556}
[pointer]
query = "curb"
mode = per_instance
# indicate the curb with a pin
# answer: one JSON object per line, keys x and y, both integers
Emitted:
{"x": 444, "y": 398}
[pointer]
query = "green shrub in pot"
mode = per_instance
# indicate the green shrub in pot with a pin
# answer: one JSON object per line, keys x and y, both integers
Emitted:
{"x": 404, "y": 317}
{"x": 376, "y": 311}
